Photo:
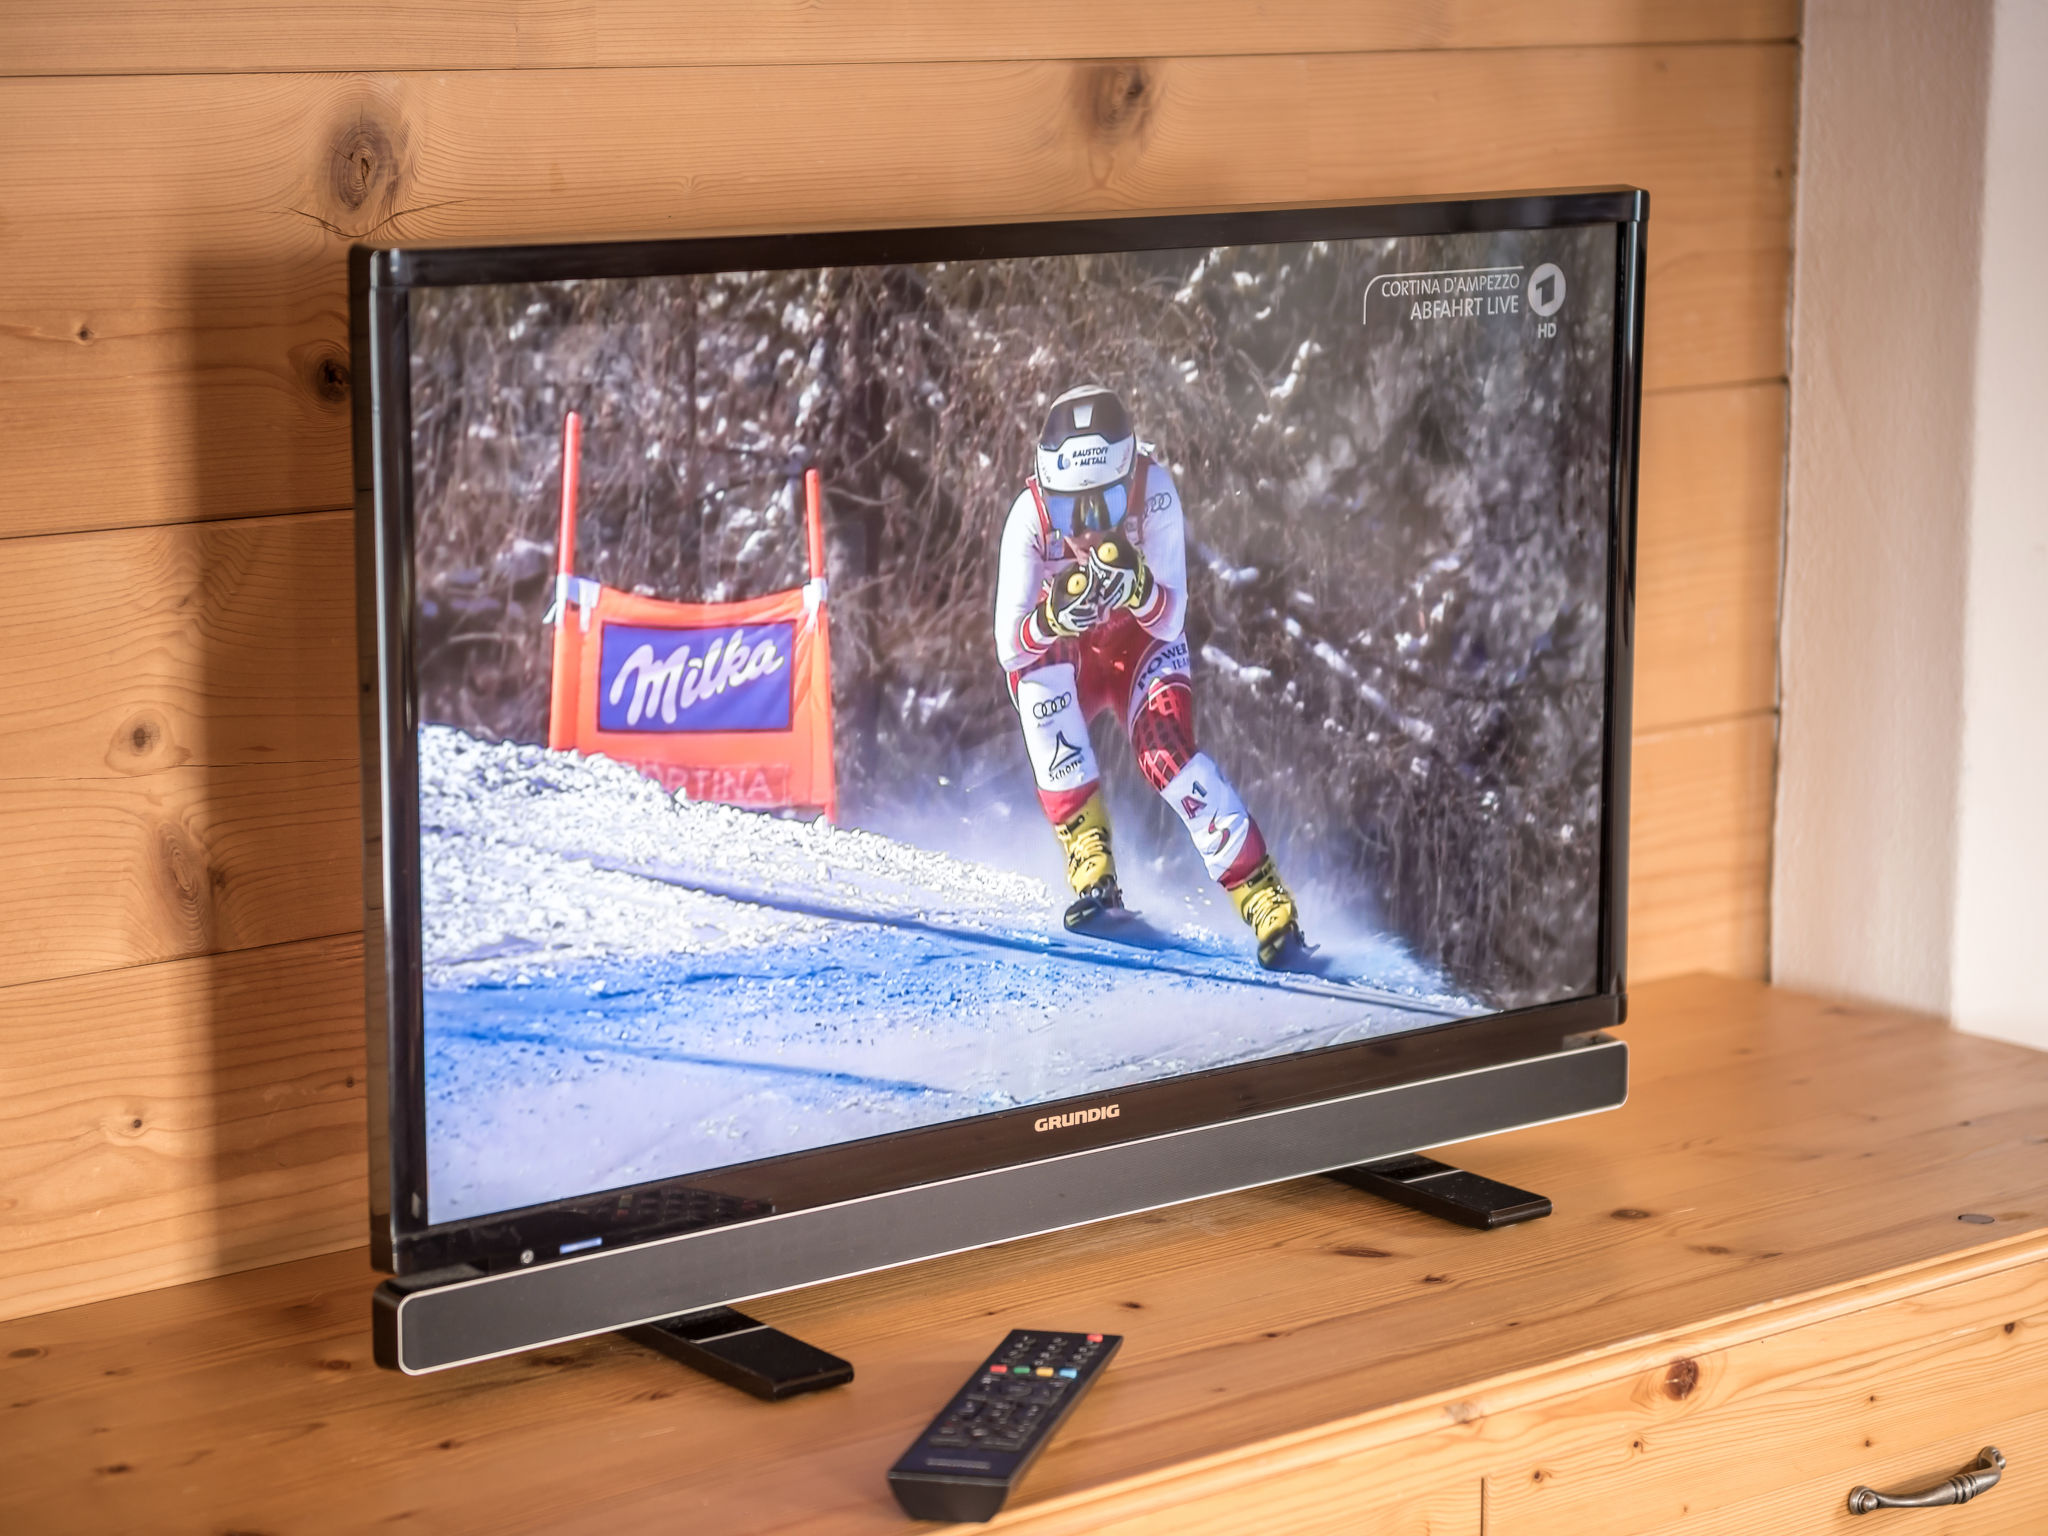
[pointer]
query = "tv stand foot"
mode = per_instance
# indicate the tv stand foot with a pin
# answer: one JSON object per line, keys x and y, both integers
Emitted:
{"x": 1438, "y": 1189}
{"x": 733, "y": 1348}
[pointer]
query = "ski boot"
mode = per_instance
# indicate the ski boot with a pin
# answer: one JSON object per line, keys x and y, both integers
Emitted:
{"x": 1091, "y": 867}
{"x": 1264, "y": 903}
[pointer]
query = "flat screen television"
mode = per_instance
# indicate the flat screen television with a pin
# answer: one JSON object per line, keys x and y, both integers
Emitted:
{"x": 878, "y": 742}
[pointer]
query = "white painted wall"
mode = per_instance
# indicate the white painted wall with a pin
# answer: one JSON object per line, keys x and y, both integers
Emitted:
{"x": 1999, "y": 953}
{"x": 1884, "y": 284}
{"x": 1911, "y": 862}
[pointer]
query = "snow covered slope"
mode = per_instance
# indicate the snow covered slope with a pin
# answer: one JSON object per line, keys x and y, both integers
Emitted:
{"x": 621, "y": 986}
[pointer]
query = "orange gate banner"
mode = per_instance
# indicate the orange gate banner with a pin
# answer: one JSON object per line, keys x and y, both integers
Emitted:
{"x": 730, "y": 702}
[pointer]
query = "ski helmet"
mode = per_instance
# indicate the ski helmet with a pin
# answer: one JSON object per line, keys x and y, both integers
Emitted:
{"x": 1087, "y": 443}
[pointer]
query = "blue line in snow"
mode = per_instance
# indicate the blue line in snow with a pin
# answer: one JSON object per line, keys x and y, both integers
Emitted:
{"x": 485, "y": 1035}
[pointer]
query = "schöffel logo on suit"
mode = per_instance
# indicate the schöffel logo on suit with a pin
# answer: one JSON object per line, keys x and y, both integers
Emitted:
{"x": 734, "y": 678}
{"x": 1076, "y": 1117}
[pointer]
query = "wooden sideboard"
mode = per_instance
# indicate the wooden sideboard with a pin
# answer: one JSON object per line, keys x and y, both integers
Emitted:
{"x": 1757, "y": 1292}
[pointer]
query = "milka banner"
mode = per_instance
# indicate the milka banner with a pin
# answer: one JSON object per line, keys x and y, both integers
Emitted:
{"x": 726, "y": 679}
{"x": 723, "y": 701}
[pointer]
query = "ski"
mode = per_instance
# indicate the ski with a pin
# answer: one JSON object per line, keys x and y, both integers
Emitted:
{"x": 1096, "y": 907}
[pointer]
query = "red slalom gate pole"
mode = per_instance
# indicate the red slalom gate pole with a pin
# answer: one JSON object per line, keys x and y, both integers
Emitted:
{"x": 814, "y": 530}
{"x": 814, "y": 521}
{"x": 562, "y": 700}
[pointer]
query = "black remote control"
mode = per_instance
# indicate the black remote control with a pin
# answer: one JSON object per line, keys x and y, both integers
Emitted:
{"x": 966, "y": 1462}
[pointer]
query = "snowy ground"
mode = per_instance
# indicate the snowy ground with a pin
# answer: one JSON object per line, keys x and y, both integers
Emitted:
{"x": 622, "y": 987}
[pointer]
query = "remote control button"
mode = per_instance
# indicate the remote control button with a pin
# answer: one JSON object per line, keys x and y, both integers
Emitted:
{"x": 999, "y": 1369}
{"x": 1045, "y": 1370}
{"x": 1069, "y": 1372}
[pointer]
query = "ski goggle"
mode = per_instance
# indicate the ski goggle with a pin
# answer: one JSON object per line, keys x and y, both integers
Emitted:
{"x": 1095, "y": 511}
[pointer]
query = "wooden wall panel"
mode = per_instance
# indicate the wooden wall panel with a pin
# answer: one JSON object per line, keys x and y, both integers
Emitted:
{"x": 185, "y": 861}
{"x": 166, "y": 1122}
{"x": 177, "y": 759}
{"x": 145, "y": 37}
{"x": 180, "y": 742}
{"x": 1709, "y": 511}
{"x": 201, "y": 646}
{"x": 1700, "y": 849}
{"x": 207, "y": 334}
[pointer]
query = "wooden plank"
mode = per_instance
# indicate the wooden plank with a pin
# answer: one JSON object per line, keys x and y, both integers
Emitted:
{"x": 184, "y": 861}
{"x": 1583, "y": 1445}
{"x": 1710, "y": 514}
{"x": 202, "y": 646}
{"x": 1330, "y": 1496}
{"x": 175, "y": 244}
{"x": 139, "y": 37}
{"x": 1700, "y": 849}
{"x": 1270, "y": 1333}
{"x": 1797, "y": 1058}
{"x": 1651, "y": 1452}
{"x": 180, "y": 737}
{"x": 168, "y": 1122}
{"x": 1819, "y": 1505}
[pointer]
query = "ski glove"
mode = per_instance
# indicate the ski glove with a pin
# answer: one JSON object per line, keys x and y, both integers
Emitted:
{"x": 1121, "y": 576}
{"x": 1070, "y": 606}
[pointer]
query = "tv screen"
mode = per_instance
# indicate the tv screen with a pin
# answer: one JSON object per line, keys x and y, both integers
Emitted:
{"x": 862, "y": 688}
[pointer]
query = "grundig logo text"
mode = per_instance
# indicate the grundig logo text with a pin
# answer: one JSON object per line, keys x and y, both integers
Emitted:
{"x": 1077, "y": 1117}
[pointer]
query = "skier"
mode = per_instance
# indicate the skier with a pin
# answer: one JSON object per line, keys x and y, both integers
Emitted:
{"x": 1091, "y": 603}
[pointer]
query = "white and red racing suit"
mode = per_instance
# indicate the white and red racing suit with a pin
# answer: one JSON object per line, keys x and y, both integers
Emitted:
{"x": 1131, "y": 665}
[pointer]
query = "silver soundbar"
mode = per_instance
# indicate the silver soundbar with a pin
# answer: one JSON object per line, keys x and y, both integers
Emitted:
{"x": 423, "y": 1326}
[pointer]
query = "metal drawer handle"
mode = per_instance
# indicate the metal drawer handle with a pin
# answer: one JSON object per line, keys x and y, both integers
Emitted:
{"x": 1980, "y": 1476}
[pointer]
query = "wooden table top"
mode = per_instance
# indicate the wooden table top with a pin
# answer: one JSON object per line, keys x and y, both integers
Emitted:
{"x": 1778, "y": 1155}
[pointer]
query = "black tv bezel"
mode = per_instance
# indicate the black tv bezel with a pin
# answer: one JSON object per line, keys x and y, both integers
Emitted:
{"x": 403, "y": 1241}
